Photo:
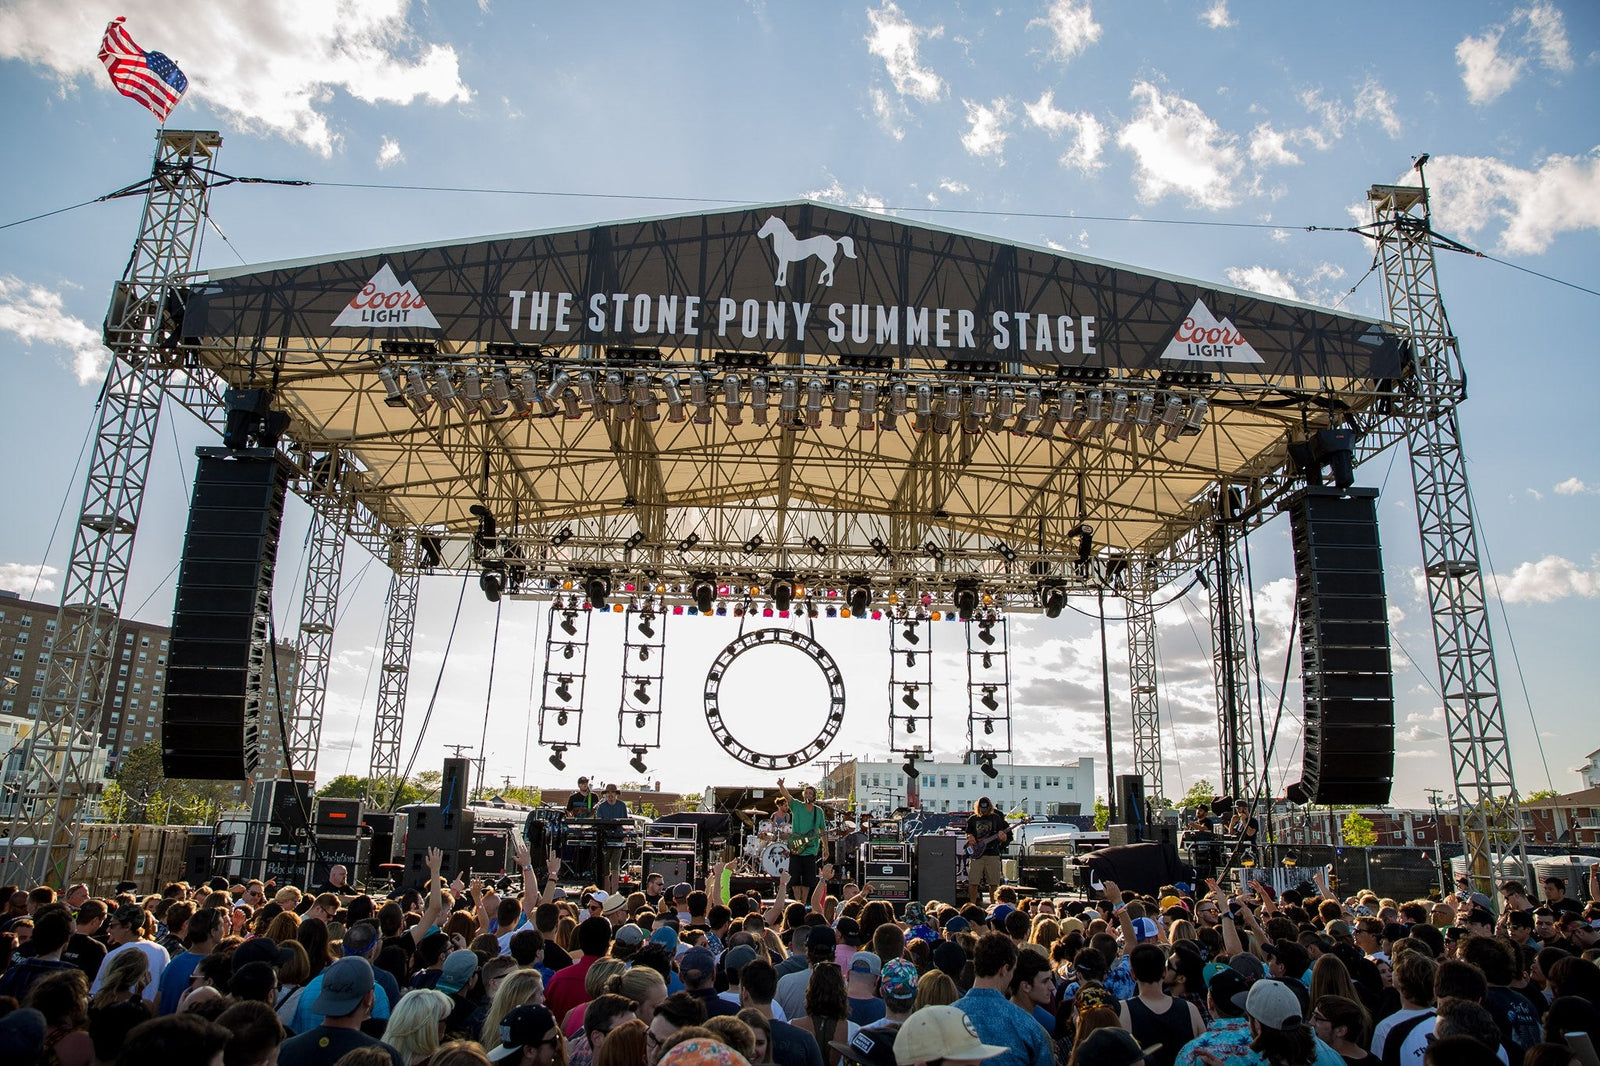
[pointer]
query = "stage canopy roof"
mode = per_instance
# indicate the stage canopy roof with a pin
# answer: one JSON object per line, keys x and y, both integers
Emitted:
{"x": 581, "y": 338}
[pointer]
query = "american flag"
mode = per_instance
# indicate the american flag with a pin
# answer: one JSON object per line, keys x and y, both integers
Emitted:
{"x": 148, "y": 77}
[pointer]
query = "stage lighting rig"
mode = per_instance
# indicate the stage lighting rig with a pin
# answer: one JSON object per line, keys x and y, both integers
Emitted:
{"x": 637, "y": 762}
{"x": 491, "y": 585}
{"x": 597, "y": 586}
{"x": 703, "y": 587}
{"x": 986, "y": 764}
{"x": 641, "y": 691}
{"x": 1053, "y": 598}
{"x": 558, "y": 757}
{"x": 859, "y": 595}
{"x": 910, "y": 632}
{"x": 909, "y": 767}
{"x": 966, "y": 599}
{"x": 910, "y": 697}
{"x": 782, "y": 589}
{"x": 563, "y": 689}
{"x": 569, "y": 624}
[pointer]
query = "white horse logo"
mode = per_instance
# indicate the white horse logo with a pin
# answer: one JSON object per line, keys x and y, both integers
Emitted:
{"x": 790, "y": 249}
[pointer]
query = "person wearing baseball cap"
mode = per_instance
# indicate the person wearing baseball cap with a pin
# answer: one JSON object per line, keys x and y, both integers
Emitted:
{"x": 935, "y": 1034}
{"x": 344, "y": 1001}
{"x": 898, "y": 982}
{"x": 528, "y": 1035}
{"x": 868, "y": 1047}
{"x": 1278, "y": 1028}
{"x": 861, "y": 988}
{"x": 1112, "y": 1047}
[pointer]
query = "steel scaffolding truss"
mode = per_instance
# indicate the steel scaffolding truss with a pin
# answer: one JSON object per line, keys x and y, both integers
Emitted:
{"x": 394, "y": 677}
{"x": 319, "y": 612}
{"x": 140, "y": 331}
{"x": 1480, "y": 758}
{"x": 911, "y": 687}
{"x": 1142, "y": 690}
{"x": 1237, "y": 743}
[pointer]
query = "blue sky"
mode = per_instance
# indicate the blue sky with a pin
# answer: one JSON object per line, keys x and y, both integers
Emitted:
{"x": 1193, "y": 112}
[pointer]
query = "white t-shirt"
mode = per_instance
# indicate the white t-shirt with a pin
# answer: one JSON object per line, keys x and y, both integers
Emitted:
{"x": 158, "y": 962}
{"x": 1415, "y": 1049}
{"x": 1380, "y": 1033}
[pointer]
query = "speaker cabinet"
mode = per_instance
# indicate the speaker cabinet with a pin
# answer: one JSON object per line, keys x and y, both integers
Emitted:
{"x": 424, "y": 830}
{"x": 675, "y": 867}
{"x": 936, "y": 868}
{"x": 1130, "y": 806}
{"x": 453, "y": 789}
{"x": 341, "y": 817}
{"x": 1344, "y": 648}
{"x": 211, "y": 716}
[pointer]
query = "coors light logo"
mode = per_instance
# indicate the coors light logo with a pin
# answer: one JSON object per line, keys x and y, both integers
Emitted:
{"x": 384, "y": 303}
{"x": 1202, "y": 339}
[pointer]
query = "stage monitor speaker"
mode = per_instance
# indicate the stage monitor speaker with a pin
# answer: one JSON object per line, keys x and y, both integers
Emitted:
{"x": 936, "y": 868}
{"x": 1344, "y": 648}
{"x": 675, "y": 867}
{"x": 197, "y": 859}
{"x": 211, "y": 715}
{"x": 1130, "y": 806}
{"x": 763, "y": 885}
{"x": 338, "y": 816}
{"x": 453, "y": 789}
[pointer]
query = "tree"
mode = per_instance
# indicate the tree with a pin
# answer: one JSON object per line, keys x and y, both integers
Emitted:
{"x": 345, "y": 786}
{"x": 147, "y": 795}
{"x": 1200, "y": 794}
{"x": 1358, "y": 831}
{"x": 1102, "y": 814}
{"x": 1542, "y": 794}
{"x": 140, "y": 777}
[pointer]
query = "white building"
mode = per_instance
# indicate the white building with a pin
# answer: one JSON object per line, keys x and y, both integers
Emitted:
{"x": 1591, "y": 770}
{"x": 881, "y": 787}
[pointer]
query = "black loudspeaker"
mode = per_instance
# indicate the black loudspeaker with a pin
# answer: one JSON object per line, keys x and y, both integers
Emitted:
{"x": 380, "y": 824}
{"x": 211, "y": 715}
{"x": 1344, "y": 648}
{"x": 197, "y": 858}
{"x": 762, "y": 884}
{"x": 426, "y": 830}
{"x": 453, "y": 790}
{"x": 341, "y": 817}
{"x": 675, "y": 867}
{"x": 1130, "y": 806}
{"x": 936, "y": 868}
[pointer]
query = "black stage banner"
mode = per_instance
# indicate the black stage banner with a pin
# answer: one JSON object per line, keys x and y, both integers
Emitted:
{"x": 795, "y": 277}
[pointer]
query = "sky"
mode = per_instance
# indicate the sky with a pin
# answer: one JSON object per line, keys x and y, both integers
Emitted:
{"x": 1127, "y": 132}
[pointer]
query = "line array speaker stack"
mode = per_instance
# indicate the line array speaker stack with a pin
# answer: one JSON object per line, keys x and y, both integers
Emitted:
{"x": 1344, "y": 648}
{"x": 211, "y": 716}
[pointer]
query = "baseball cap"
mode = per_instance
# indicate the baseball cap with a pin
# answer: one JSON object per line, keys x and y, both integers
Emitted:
{"x": 940, "y": 1032}
{"x": 345, "y": 984}
{"x": 599, "y": 895}
{"x": 736, "y": 958}
{"x": 1168, "y": 902}
{"x": 1146, "y": 929}
{"x": 821, "y": 937}
{"x": 260, "y": 949}
{"x": 702, "y": 1052}
{"x": 1226, "y": 984}
{"x": 459, "y": 966}
{"x": 681, "y": 890}
{"x": 1112, "y": 1047}
{"x": 848, "y": 931}
{"x": 955, "y": 924}
{"x": 1000, "y": 913}
{"x": 950, "y": 958}
{"x": 865, "y": 962}
{"x": 629, "y": 934}
{"x": 869, "y": 1047}
{"x": 1071, "y": 925}
{"x": 899, "y": 979}
{"x": 697, "y": 964}
{"x": 913, "y": 912}
{"x": 1271, "y": 1003}
{"x": 524, "y": 1026}
{"x": 666, "y": 936}
{"x": 1247, "y": 966}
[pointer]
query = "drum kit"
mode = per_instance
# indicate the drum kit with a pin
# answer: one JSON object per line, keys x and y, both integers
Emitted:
{"x": 766, "y": 850}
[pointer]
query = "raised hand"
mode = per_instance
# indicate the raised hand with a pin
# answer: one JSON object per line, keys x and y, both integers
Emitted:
{"x": 435, "y": 860}
{"x": 522, "y": 854}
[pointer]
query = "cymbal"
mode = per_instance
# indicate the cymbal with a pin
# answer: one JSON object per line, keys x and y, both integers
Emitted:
{"x": 754, "y": 810}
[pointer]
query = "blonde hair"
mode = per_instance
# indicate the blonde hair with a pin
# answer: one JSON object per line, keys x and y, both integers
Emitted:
{"x": 287, "y": 897}
{"x": 636, "y": 982}
{"x": 517, "y": 988}
{"x": 122, "y": 975}
{"x": 414, "y": 1023}
{"x": 935, "y": 989}
{"x": 601, "y": 973}
{"x": 283, "y": 927}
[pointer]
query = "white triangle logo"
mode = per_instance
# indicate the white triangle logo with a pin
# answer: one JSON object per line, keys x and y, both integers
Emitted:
{"x": 1202, "y": 339}
{"x": 384, "y": 303}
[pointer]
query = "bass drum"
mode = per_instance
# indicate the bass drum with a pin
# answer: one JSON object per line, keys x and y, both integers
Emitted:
{"x": 774, "y": 859}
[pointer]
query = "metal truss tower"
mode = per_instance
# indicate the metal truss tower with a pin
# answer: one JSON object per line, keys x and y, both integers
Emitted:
{"x": 319, "y": 610}
{"x": 140, "y": 330}
{"x": 1230, "y": 658}
{"x": 383, "y": 773}
{"x": 1480, "y": 758}
{"x": 1142, "y": 690}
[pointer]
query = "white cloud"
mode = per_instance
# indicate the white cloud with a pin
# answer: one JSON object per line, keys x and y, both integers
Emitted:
{"x": 1484, "y": 71}
{"x": 1374, "y": 103}
{"x": 1216, "y": 16}
{"x": 1180, "y": 150}
{"x": 889, "y": 112}
{"x": 1269, "y": 147}
{"x": 35, "y": 314}
{"x": 955, "y": 188}
{"x": 1071, "y": 23}
{"x": 1491, "y": 65}
{"x": 271, "y": 65}
{"x": 835, "y": 192}
{"x": 894, "y": 39}
{"x": 1470, "y": 193}
{"x": 389, "y": 153}
{"x": 1548, "y": 580}
{"x": 22, "y": 578}
{"x": 986, "y": 128}
{"x": 1574, "y": 487}
{"x": 1088, "y": 133}
{"x": 1262, "y": 279}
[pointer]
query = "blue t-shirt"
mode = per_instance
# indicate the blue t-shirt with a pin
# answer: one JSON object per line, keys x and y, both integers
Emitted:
{"x": 175, "y": 980}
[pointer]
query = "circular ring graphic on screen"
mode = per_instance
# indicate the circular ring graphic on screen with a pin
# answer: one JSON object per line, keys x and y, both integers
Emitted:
{"x": 785, "y": 638}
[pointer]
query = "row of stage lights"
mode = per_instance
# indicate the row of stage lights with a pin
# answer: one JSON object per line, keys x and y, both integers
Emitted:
{"x": 800, "y": 403}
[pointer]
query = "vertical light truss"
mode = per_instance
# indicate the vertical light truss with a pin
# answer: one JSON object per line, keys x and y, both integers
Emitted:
{"x": 1230, "y": 659}
{"x": 59, "y": 776}
{"x": 319, "y": 610}
{"x": 1142, "y": 690}
{"x": 911, "y": 686}
{"x": 1480, "y": 757}
{"x": 644, "y": 653}
{"x": 566, "y": 665}
{"x": 988, "y": 687}
{"x": 383, "y": 774}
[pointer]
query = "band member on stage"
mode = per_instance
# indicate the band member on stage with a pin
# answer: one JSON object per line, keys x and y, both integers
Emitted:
{"x": 987, "y": 837}
{"x": 581, "y": 804}
{"x": 1244, "y": 828}
{"x": 1203, "y": 822}
{"x": 808, "y": 829}
{"x": 610, "y": 809}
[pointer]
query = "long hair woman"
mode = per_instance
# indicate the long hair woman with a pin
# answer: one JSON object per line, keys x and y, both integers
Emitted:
{"x": 313, "y": 936}
{"x": 827, "y": 1011}
{"x": 516, "y": 988}
{"x": 624, "y": 1046}
{"x": 125, "y": 977}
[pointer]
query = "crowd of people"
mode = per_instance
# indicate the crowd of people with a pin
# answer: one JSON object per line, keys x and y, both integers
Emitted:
{"x": 459, "y": 974}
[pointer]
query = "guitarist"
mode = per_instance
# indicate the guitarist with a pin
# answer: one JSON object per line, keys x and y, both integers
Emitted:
{"x": 987, "y": 837}
{"x": 808, "y": 826}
